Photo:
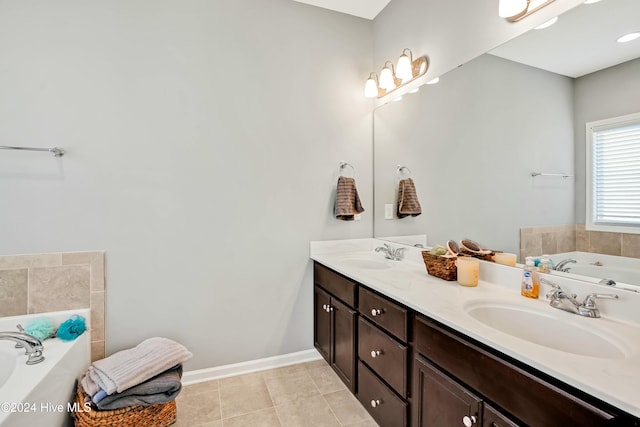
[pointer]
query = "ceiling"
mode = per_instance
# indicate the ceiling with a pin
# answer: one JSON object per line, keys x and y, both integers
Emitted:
{"x": 582, "y": 41}
{"x": 368, "y": 9}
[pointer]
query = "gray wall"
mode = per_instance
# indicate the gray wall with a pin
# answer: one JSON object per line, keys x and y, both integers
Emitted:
{"x": 605, "y": 94}
{"x": 203, "y": 144}
{"x": 472, "y": 142}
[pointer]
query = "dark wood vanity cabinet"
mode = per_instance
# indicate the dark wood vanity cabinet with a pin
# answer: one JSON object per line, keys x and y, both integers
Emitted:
{"x": 441, "y": 401}
{"x": 406, "y": 368}
{"x": 383, "y": 352}
{"x": 456, "y": 375}
{"x": 335, "y": 323}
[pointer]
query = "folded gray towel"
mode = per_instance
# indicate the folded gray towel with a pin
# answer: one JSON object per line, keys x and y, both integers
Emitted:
{"x": 162, "y": 388}
{"x": 408, "y": 203}
{"x": 127, "y": 368}
{"x": 347, "y": 200}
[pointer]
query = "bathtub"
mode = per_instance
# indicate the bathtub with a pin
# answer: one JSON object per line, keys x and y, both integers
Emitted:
{"x": 623, "y": 270}
{"x": 39, "y": 395}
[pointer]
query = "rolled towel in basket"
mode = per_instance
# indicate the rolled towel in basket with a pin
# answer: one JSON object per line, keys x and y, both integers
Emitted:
{"x": 127, "y": 368}
{"x": 347, "y": 200}
{"x": 162, "y": 388}
{"x": 408, "y": 203}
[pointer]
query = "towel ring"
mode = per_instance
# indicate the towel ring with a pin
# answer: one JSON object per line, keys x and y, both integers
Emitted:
{"x": 344, "y": 165}
{"x": 400, "y": 168}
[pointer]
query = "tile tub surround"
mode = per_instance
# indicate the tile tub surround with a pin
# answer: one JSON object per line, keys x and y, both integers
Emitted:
{"x": 535, "y": 241}
{"x": 407, "y": 283}
{"x": 41, "y": 283}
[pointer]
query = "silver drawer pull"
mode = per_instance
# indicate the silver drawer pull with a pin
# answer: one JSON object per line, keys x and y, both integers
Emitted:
{"x": 327, "y": 308}
{"x": 376, "y": 312}
{"x": 469, "y": 421}
{"x": 376, "y": 353}
{"x": 375, "y": 403}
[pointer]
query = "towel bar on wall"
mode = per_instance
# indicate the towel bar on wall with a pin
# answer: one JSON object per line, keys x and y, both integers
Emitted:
{"x": 564, "y": 175}
{"x": 56, "y": 151}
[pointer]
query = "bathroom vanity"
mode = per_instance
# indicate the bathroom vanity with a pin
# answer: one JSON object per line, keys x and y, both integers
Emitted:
{"x": 404, "y": 343}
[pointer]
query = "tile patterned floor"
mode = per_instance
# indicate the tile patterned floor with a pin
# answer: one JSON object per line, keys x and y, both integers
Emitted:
{"x": 308, "y": 394}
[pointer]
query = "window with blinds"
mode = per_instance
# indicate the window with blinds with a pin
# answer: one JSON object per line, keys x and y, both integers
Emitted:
{"x": 613, "y": 174}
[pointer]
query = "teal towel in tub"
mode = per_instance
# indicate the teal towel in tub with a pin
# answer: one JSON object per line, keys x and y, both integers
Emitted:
{"x": 127, "y": 368}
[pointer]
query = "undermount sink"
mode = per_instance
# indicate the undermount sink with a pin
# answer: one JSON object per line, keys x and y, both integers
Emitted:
{"x": 368, "y": 263}
{"x": 548, "y": 329}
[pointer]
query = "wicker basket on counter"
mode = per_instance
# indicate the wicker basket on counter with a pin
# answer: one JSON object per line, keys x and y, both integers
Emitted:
{"x": 440, "y": 266}
{"x": 160, "y": 415}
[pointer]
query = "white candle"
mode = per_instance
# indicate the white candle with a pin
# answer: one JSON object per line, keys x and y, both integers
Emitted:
{"x": 468, "y": 269}
{"x": 505, "y": 258}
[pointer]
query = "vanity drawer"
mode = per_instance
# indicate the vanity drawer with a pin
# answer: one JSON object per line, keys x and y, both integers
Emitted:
{"x": 341, "y": 287}
{"x": 386, "y": 356}
{"x": 533, "y": 400}
{"x": 384, "y": 406}
{"x": 384, "y": 313}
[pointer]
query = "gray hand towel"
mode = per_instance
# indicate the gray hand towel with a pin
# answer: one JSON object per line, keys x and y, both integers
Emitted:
{"x": 127, "y": 368}
{"x": 347, "y": 200}
{"x": 162, "y": 388}
{"x": 408, "y": 203}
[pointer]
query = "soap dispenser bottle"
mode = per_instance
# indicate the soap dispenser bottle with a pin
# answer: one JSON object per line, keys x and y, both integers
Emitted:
{"x": 530, "y": 285}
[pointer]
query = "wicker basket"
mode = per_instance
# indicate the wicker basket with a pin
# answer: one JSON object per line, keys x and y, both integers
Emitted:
{"x": 440, "y": 266}
{"x": 160, "y": 415}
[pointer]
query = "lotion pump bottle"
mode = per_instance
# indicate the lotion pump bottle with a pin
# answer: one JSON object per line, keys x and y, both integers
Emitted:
{"x": 530, "y": 285}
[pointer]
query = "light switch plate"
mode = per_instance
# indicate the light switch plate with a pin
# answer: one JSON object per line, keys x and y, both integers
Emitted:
{"x": 388, "y": 211}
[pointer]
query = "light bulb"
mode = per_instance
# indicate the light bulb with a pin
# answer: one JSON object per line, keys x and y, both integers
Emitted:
{"x": 387, "y": 81}
{"x": 628, "y": 37}
{"x": 370, "y": 88}
{"x": 509, "y": 8}
{"x": 434, "y": 81}
{"x": 403, "y": 69}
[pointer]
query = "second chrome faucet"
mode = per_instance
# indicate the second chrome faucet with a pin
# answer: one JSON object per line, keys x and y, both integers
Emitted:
{"x": 558, "y": 298}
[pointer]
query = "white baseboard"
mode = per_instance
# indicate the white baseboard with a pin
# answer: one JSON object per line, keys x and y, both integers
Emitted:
{"x": 208, "y": 374}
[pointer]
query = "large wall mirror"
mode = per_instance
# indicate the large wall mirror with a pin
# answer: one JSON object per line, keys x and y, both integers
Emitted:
{"x": 472, "y": 141}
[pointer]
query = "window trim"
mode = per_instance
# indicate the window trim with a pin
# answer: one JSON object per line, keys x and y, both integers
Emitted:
{"x": 590, "y": 128}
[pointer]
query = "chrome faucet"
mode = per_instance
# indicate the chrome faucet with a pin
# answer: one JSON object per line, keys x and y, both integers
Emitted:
{"x": 391, "y": 253}
{"x": 32, "y": 345}
{"x": 568, "y": 302}
{"x": 561, "y": 265}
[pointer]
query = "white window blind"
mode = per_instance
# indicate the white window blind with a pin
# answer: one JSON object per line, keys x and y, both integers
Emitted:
{"x": 615, "y": 173}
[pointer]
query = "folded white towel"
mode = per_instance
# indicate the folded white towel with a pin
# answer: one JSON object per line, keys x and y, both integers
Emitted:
{"x": 127, "y": 368}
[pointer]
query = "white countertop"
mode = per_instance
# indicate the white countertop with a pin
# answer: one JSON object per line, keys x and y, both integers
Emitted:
{"x": 613, "y": 380}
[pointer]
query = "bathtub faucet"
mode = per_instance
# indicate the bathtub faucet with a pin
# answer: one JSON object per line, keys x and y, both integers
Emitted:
{"x": 561, "y": 265}
{"x": 32, "y": 345}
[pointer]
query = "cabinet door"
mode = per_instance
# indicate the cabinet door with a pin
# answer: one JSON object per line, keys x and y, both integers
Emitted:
{"x": 322, "y": 323}
{"x": 491, "y": 417}
{"x": 440, "y": 401}
{"x": 343, "y": 343}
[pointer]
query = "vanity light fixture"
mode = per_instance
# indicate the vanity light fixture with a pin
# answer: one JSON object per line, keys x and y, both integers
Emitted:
{"x": 591, "y": 1}
{"x": 515, "y": 10}
{"x": 392, "y": 78}
{"x": 629, "y": 37}
{"x": 433, "y": 81}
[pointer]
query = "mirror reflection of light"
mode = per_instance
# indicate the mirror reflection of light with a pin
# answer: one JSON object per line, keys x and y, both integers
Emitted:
{"x": 434, "y": 81}
{"x": 629, "y": 37}
{"x": 547, "y": 24}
